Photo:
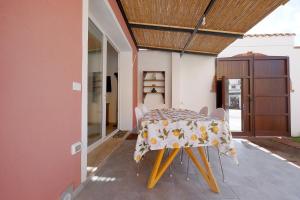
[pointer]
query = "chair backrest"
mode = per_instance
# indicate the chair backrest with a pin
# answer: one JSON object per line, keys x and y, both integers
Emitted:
{"x": 204, "y": 111}
{"x": 143, "y": 108}
{"x": 138, "y": 116}
{"x": 219, "y": 113}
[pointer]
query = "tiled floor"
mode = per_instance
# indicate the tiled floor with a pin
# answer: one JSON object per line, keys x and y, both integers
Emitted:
{"x": 101, "y": 153}
{"x": 289, "y": 152}
{"x": 260, "y": 176}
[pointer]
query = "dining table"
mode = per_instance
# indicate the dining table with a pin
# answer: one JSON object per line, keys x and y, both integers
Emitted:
{"x": 176, "y": 129}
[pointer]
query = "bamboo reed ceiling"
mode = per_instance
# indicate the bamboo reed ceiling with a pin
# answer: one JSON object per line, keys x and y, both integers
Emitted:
{"x": 209, "y": 43}
{"x": 169, "y": 12}
{"x": 165, "y": 39}
{"x": 239, "y": 15}
{"x": 172, "y": 24}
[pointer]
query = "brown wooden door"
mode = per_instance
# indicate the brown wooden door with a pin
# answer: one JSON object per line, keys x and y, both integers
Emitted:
{"x": 237, "y": 70}
{"x": 225, "y": 93}
{"x": 265, "y": 93}
{"x": 271, "y": 96}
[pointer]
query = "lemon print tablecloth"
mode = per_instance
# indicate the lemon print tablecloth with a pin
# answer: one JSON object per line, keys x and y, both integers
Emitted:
{"x": 177, "y": 128}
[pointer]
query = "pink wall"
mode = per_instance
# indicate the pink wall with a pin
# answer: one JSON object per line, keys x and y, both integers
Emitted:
{"x": 40, "y": 115}
{"x": 122, "y": 22}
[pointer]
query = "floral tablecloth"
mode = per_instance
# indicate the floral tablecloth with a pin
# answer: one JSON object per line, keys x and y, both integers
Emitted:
{"x": 176, "y": 128}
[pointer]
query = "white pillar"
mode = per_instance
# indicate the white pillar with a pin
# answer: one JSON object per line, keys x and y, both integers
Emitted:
{"x": 125, "y": 79}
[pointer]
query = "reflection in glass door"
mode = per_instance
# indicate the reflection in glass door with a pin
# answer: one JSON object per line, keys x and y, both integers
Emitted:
{"x": 95, "y": 69}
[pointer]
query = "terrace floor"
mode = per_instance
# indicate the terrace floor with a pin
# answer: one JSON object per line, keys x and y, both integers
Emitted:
{"x": 259, "y": 176}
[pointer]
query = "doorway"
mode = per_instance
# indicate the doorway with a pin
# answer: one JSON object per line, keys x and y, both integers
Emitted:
{"x": 254, "y": 90}
{"x": 233, "y": 103}
{"x": 111, "y": 90}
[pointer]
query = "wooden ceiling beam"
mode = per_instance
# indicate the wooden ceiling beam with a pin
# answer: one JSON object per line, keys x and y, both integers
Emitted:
{"x": 186, "y": 30}
{"x": 177, "y": 50}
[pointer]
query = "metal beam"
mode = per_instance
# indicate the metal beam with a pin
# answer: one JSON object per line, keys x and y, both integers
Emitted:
{"x": 177, "y": 50}
{"x": 160, "y": 27}
{"x": 126, "y": 21}
{"x": 186, "y": 30}
{"x": 210, "y": 5}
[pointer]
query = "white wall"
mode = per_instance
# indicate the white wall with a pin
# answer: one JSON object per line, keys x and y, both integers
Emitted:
{"x": 196, "y": 82}
{"x": 189, "y": 79}
{"x": 275, "y": 46}
{"x": 155, "y": 61}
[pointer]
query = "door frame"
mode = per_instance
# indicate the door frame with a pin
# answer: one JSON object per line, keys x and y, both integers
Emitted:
{"x": 251, "y": 59}
{"x": 108, "y": 24}
{"x": 104, "y": 136}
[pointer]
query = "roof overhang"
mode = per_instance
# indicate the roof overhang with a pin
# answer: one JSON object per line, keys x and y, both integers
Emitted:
{"x": 192, "y": 26}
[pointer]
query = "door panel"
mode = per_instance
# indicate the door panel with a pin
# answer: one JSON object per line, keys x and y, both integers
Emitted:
{"x": 265, "y": 93}
{"x": 270, "y": 123}
{"x": 236, "y": 91}
{"x": 269, "y": 68}
{"x": 232, "y": 68}
{"x": 270, "y": 87}
{"x": 274, "y": 105}
{"x": 95, "y": 80}
{"x": 271, "y": 96}
{"x": 225, "y": 87}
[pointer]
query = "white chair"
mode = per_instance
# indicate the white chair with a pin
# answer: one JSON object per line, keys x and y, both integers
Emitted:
{"x": 218, "y": 113}
{"x": 204, "y": 111}
{"x": 143, "y": 108}
{"x": 138, "y": 115}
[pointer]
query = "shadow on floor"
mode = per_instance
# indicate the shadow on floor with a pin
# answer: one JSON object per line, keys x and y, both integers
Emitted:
{"x": 290, "y": 153}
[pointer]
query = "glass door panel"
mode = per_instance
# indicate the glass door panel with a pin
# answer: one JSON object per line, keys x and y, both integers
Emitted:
{"x": 95, "y": 69}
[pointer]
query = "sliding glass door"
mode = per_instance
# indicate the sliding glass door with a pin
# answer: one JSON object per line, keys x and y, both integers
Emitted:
{"x": 95, "y": 84}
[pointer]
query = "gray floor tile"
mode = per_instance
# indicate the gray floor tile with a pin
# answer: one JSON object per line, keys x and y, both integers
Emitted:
{"x": 259, "y": 176}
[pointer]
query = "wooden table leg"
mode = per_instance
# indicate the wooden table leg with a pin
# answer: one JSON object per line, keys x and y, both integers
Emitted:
{"x": 208, "y": 169}
{"x": 157, "y": 173}
{"x": 206, "y": 172}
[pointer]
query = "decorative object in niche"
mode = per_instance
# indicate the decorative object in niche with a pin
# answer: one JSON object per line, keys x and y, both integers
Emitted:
{"x": 154, "y": 83}
{"x": 154, "y": 76}
{"x": 153, "y": 90}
